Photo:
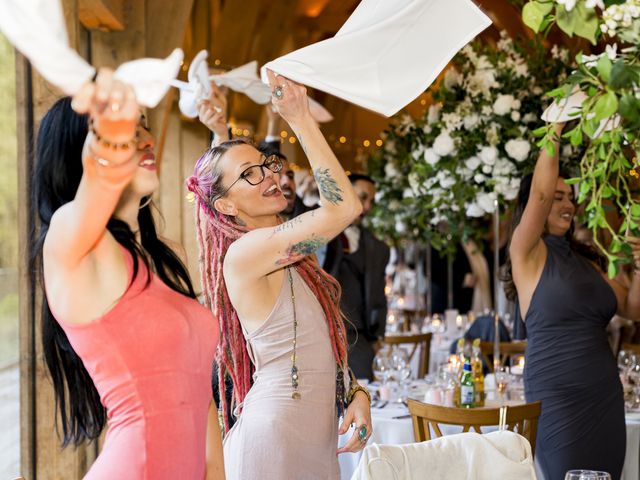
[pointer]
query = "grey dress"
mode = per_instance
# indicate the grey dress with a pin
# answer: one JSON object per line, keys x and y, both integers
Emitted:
{"x": 277, "y": 437}
{"x": 571, "y": 369}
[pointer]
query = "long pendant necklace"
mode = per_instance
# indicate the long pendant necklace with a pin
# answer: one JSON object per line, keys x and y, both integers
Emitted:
{"x": 294, "y": 368}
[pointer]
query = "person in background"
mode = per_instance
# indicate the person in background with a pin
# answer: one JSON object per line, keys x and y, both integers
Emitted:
{"x": 357, "y": 259}
{"x": 566, "y": 301}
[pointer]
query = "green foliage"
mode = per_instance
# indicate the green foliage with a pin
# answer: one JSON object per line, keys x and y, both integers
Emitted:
{"x": 608, "y": 122}
{"x": 439, "y": 176}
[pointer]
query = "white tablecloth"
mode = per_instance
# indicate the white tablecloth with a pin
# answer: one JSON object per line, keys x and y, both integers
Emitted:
{"x": 395, "y": 431}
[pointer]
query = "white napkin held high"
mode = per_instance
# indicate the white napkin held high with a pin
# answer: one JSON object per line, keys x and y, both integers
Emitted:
{"x": 387, "y": 53}
{"x": 37, "y": 29}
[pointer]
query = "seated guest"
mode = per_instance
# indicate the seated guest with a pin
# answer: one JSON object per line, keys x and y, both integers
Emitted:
{"x": 358, "y": 260}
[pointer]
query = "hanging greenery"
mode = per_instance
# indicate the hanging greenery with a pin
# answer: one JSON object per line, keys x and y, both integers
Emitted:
{"x": 439, "y": 175}
{"x": 609, "y": 118}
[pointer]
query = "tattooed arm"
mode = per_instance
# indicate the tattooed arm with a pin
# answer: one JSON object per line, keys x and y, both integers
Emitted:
{"x": 268, "y": 249}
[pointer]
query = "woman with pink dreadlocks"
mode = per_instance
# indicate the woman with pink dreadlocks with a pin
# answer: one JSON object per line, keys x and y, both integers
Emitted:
{"x": 279, "y": 316}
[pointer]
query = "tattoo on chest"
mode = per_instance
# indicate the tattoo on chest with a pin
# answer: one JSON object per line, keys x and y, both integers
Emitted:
{"x": 328, "y": 186}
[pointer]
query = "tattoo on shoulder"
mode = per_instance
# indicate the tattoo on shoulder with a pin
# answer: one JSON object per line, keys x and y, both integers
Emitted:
{"x": 328, "y": 186}
{"x": 299, "y": 250}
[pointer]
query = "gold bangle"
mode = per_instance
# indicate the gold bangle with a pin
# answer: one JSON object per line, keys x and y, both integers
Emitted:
{"x": 355, "y": 389}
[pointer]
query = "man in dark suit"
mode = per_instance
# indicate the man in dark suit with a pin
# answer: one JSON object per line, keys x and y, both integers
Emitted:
{"x": 357, "y": 260}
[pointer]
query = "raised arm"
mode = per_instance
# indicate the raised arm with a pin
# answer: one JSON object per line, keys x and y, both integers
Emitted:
{"x": 77, "y": 227}
{"x": 526, "y": 240}
{"x": 265, "y": 250}
{"x": 212, "y": 112}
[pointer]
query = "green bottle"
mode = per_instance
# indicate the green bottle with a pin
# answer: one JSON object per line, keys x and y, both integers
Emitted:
{"x": 467, "y": 387}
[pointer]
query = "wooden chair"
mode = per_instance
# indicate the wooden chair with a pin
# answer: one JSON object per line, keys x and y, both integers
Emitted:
{"x": 522, "y": 419}
{"x": 633, "y": 347}
{"x": 507, "y": 349}
{"x": 417, "y": 340}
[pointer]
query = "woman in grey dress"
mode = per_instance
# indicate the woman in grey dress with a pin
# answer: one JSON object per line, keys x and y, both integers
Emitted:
{"x": 283, "y": 342}
{"x": 567, "y": 301}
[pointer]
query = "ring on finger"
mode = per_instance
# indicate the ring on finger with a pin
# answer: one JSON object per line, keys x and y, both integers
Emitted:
{"x": 217, "y": 109}
{"x": 363, "y": 433}
{"x": 278, "y": 92}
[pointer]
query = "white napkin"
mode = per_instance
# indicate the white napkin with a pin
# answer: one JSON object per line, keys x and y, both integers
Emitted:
{"x": 37, "y": 29}
{"x": 569, "y": 108}
{"x": 387, "y": 53}
{"x": 243, "y": 79}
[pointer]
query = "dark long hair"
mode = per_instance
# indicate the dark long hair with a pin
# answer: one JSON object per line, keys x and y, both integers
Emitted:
{"x": 523, "y": 198}
{"x": 56, "y": 178}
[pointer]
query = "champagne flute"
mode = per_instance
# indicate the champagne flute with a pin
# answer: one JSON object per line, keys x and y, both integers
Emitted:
{"x": 502, "y": 381}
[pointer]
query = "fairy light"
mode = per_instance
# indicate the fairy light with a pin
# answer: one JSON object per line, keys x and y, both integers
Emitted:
{"x": 284, "y": 134}
{"x": 292, "y": 140}
{"x": 342, "y": 139}
{"x": 366, "y": 143}
{"x": 378, "y": 143}
{"x": 245, "y": 132}
{"x": 216, "y": 61}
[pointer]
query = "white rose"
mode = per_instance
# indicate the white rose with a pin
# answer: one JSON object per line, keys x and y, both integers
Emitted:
{"x": 471, "y": 121}
{"x": 390, "y": 170}
{"x": 515, "y": 116}
{"x": 479, "y": 178}
{"x": 474, "y": 210}
{"x": 472, "y": 163}
{"x": 434, "y": 113}
{"x": 452, "y": 78}
{"x": 486, "y": 169}
{"x": 418, "y": 152}
{"x": 488, "y": 155}
{"x": 400, "y": 226}
{"x": 516, "y": 104}
{"x": 503, "y": 104}
{"x": 466, "y": 173}
{"x": 487, "y": 110}
{"x": 431, "y": 157}
{"x": 486, "y": 201}
{"x": 530, "y": 118}
{"x": 443, "y": 145}
{"x": 445, "y": 180}
{"x": 518, "y": 149}
{"x": 408, "y": 193}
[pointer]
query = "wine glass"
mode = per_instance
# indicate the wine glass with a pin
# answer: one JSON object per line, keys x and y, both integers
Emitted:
{"x": 624, "y": 360}
{"x": 401, "y": 369}
{"x": 586, "y": 475}
{"x": 502, "y": 377}
{"x": 382, "y": 366}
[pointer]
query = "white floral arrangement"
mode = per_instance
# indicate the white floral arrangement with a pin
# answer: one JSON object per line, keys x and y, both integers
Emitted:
{"x": 471, "y": 149}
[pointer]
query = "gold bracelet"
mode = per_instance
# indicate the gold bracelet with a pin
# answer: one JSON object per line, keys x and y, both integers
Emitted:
{"x": 355, "y": 389}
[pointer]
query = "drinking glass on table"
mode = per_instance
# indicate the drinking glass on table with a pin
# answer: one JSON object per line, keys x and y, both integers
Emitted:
{"x": 502, "y": 376}
{"x": 401, "y": 370}
{"x": 586, "y": 475}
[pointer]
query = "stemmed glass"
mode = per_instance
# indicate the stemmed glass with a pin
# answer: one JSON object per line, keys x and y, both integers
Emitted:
{"x": 401, "y": 370}
{"x": 586, "y": 475}
{"x": 502, "y": 381}
{"x": 382, "y": 368}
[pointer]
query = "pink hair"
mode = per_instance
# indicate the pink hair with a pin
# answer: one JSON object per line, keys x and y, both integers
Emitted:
{"x": 216, "y": 232}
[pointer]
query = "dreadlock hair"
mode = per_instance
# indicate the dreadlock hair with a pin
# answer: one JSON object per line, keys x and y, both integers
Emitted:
{"x": 216, "y": 232}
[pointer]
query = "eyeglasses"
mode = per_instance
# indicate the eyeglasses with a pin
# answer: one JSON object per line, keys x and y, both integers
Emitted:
{"x": 254, "y": 175}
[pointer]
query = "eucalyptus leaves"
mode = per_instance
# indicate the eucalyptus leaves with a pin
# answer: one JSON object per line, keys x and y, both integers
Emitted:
{"x": 607, "y": 123}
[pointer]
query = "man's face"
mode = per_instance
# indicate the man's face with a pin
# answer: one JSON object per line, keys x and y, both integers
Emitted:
{"x": 288, "y": 187}
{"x": 366, "y": 192}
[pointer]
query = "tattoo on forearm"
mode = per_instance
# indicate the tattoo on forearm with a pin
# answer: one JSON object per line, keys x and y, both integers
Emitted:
{"x": 301, "y": 249}
{"x": 328, "y": 186}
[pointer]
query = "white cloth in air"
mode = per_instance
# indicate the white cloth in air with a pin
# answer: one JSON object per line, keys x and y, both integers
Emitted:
{"x": 37, "y": 29}
{"x": 387, "y": 53}
{"x": 502, "y": 454}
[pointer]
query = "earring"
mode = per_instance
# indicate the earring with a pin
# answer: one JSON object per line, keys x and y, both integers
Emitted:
{"x": 147, "y": 202}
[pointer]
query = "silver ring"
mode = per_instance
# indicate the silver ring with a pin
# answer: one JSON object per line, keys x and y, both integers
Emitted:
{"x": 278, "y": 92}
{"x": 363, "y": 434}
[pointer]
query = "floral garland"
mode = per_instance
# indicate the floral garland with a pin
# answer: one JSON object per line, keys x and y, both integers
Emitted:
{"x": 471, "y": 148}
{"x": 607, "y": 123}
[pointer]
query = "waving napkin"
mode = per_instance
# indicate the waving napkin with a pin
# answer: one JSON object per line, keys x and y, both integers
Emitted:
{"x": 243, "y": 79}
{"x": 37, "y": 29}
{"x": 387, "y": 53}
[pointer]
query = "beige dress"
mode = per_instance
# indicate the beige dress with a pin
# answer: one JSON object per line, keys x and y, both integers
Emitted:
{"x": 277, "y": 437}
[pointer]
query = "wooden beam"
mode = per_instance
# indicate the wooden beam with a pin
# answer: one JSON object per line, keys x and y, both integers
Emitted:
{"x": 105, "y": 15}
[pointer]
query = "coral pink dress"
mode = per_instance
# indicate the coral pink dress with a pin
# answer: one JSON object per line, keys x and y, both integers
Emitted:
{"x": 150, "y": 358}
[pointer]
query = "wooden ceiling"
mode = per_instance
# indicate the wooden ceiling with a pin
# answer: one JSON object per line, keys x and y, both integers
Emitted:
{"x": 237, "y": 32}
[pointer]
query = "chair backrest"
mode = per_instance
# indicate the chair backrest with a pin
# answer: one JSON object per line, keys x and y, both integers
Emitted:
{"x": 422, "y": 340}
{"x": 507, "y": 349}
{"x": 522, "y": 419}
{"x": 634, "y": 347}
